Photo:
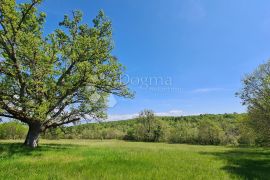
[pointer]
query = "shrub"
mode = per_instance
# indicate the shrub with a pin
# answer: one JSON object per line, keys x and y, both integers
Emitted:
{"x": 13, "y": 130}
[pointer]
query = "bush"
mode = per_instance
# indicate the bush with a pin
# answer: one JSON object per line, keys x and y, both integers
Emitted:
{"x": 184, "y": 132}
{"x": 13, "y": 130}
{"x": 247, "y": 135}
{"x": 111, "y": 133}
{"x": 210, "y": 133}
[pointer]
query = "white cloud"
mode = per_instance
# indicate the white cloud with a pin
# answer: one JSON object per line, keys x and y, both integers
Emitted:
{"x": 206, "y": 90}
{"x": 171, "y": 113}
{"x": 117, "y": 117}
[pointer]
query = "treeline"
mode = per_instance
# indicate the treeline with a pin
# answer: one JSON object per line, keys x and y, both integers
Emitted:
{"x": 13, "y": 130}
{"x": 223, "y": 129}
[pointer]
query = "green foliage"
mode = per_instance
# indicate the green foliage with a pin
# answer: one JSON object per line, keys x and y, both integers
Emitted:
{"x": 184, "y": 132}
{"x": 223, "y": 129}
{"x": 50, "y": 80}
{"x": 248, "y": 136}
{"x": 256, "y": 95}
{"x": 149, "y": 128}
{"x": 209, "y": 133}
{"x": 12, "y": 130}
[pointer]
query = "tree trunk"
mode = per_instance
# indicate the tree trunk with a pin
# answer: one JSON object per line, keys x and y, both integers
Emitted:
{"x": 33, "y": 135}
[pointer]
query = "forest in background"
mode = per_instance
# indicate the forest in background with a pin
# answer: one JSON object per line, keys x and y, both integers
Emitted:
{"x": 206, "y": 129}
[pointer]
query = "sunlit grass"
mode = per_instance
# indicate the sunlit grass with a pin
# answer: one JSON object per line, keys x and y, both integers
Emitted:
{"x": 112, "y": 159}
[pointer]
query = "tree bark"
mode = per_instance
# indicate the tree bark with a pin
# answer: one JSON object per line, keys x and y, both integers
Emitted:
{"x": 33, "y": 135}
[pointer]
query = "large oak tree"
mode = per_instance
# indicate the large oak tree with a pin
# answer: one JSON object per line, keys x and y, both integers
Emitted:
{"x": 50, "y": 80}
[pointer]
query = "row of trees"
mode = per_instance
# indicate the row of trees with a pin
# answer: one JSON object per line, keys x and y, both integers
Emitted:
{"x": 205, "y": 129}
{"x": 227, "y": 129}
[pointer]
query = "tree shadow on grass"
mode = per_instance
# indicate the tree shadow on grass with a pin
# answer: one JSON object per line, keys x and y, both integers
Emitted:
{"x": 10, "y": 150}
{"x": 247, "y": 163}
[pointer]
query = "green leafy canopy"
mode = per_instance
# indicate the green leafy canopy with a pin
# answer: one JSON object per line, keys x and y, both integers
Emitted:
{"x": 57, "y": 78}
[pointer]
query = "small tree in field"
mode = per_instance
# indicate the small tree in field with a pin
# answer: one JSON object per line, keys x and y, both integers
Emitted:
{"x": 149, "y": 127}
{"x": 48, "y": 81}
{"x": 256, "y": 95}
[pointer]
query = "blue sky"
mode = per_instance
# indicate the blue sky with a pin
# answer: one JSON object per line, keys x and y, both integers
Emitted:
{"x": 189, "y": 55}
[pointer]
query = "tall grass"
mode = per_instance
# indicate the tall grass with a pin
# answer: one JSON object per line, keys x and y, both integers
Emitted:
{"x": 111, "y": 159}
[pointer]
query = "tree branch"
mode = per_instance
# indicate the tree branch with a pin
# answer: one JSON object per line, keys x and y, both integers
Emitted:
{"x": 25, "y": 13}
{"x": 59, "y": 82}
{"x": 8, "y": 116}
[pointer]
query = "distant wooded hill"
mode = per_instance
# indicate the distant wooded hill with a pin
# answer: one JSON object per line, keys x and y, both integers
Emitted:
{"x": 216, "y": 129}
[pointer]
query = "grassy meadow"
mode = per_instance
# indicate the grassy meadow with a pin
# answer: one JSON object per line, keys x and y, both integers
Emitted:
{"x": 113, "y": 159}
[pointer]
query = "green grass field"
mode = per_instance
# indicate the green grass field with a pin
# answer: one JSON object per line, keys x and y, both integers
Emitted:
{"x": 78, "y": 159}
